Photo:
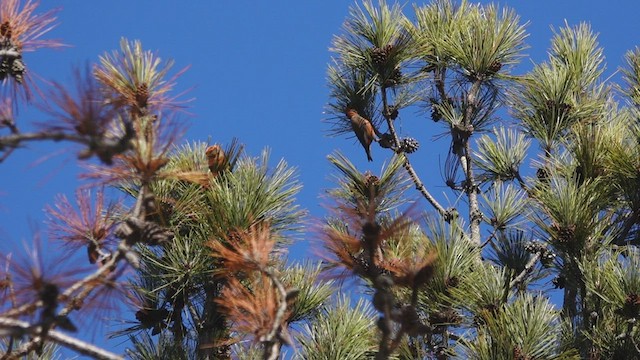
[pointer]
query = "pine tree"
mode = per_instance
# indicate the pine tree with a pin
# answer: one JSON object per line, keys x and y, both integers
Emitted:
{"x": 567, "y": 222}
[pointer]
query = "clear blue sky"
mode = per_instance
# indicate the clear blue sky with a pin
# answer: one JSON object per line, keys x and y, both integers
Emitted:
{"x": 258, "y": 72}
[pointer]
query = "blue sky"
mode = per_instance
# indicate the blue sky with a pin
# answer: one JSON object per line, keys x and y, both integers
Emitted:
{"x": 258, "y": 73}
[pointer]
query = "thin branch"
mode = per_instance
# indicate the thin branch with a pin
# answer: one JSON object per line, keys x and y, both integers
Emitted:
{"x": 194, "y": 314}
{"x": 124, "y": 252}
{"x": 30, "y": 307}
{"x": 272, "y": 341}
{"x": 528, "y": 268}
{"x": 72, "y": 304}
{"x": 490, "y": 238}
{"x": 385, "y": 112}
{"x": 421, "y": 188}
{"x": 453, "y": 336}
{"x": 407, "y": 164}
{"x": 635, "y": 344}
{"x": 522, "y": 184}
{"x": 14, "y": 140}
{"x": 60, "y": 338}
{"x": 123, "y": 249}
{"x": 84, "y": 284}
{"x": 9, "y": 143}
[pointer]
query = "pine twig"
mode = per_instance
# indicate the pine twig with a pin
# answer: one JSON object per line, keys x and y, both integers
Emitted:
{"x": 58, "y": 337}
{"x": 528, "y": 268}
{"x": 124, "y": 249}
{"x": 15, "y": 139}
{"x": 490, "y": 238}
{"x": 273, "y": 340}
{"x": 9, "y": 143}
{"x": 421, "y": 188}
{"x": 407, "y": 164}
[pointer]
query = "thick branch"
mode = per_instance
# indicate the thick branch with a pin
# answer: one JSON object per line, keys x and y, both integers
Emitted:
{"x": 475, "y": 216}
{"x": 60, "y": 338}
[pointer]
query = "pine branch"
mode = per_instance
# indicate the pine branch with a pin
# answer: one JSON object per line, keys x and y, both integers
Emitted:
{"x": 273, "y": 340}
{"x": 16, "y": 139}
{"x": 475, "y": 215}
{"x": 9, "y": 143}
{"x": 490, "y": 238}
{"x": 528, "y": 268}
{"x": 406, "y": 163}
{"x": 13, "y": 325}
{"x": 124, "y": 251}
{"x": 422, "y": 188}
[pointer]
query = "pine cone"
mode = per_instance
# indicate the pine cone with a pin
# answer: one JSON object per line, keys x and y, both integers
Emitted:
{"x": 452, "y": 282}
{"x": 409, "y": 145}
{"x": 379, "y": 56}
{"x": 566, "y": 234}
{"x": 547, "y": 259}
{"x": 371, "y": 180}
{"x": 4, "y": 69}
{"x": 494, "y": 68}
{"x": 519, "y": 354}
{"x": 142, "y": 96}
{"x": 386, "y": 141}
{"x": 18, "y": 69}
{"x": 217, "y": 159}
{"x": 542, "y": 174}
{"x": 446, "y": 316}
{"x": 631, "y": 306}
{"x": 5, "y": 30}
{"x": 436, "y": 115}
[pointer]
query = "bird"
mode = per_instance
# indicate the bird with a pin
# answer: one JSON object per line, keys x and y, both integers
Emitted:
{"x": 216, "y": 159}
{"x": 363, "y": 129}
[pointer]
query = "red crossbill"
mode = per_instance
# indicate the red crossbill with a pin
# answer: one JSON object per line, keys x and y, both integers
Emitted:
{"x": 363, "y": 130}
{"x": 216, "y": 159}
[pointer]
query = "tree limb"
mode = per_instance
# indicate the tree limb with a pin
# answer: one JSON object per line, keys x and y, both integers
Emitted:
{"x": 14, "y": 140}
{"x": 272, "y": 341}
{"x": 407, "y": 164}
{"x": 58, "y": 337}
{"x": 475, "y": 216}
{"x": 528, "y": 268}
{"x": 9, "y": 143}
